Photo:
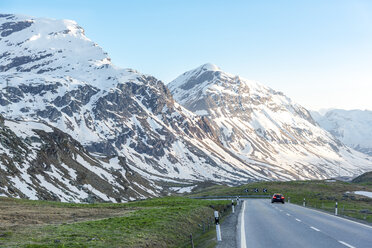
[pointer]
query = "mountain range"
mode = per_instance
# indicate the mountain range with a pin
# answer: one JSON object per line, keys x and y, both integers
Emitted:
{"x": 77, "y": 128}
{"x": 352, "y": 127}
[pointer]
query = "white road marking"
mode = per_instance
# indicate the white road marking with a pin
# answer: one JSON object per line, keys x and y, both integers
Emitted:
{"x": 243, "y": 242}
{"x": 346, "y": 244}
{"x": 280, "y": 210}
{"x": 298, "y": 220}
{"x": 328, "y": 214}
{"x": 316, "y": 229}
{"x": 288, "y": 214}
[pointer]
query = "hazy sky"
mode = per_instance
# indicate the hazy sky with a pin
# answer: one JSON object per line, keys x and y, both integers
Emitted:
{"x": 319, "y": 53}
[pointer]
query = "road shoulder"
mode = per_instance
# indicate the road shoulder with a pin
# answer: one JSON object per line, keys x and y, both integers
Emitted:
{"x": 229, "y": 229}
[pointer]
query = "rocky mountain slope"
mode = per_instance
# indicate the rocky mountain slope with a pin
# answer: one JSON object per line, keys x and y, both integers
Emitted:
{"x": 352, "y": 127}
{"x": 50, "y": 72}
{"x": 263, "y": 127}
{"x": 38, "y": 161}
{"x": 86, "y": 129}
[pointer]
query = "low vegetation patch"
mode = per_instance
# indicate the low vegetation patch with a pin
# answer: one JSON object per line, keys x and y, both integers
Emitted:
{"x": 160, "y": 222}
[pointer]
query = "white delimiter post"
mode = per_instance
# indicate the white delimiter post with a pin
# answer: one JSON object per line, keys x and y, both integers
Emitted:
{"x": 304, "y": 204}
{"x": 336, "y": 209}
{"x": 218, "y": 228}
{"x": 232, "y": 206}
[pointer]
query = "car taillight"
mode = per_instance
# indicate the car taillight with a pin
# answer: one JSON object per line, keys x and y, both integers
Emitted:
{"x": 274, "y": 197}
{"x": 282, "y": 197}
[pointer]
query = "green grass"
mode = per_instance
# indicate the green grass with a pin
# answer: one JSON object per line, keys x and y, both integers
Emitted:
{"x": 318, "y": 194}
{"x": 168, "y": 221}
{"x": 160, "y": 222}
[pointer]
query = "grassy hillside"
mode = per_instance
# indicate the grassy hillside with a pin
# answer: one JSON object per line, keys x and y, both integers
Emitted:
{"x": 365, "y": 178}
{"x": 161, "y": 222}
{"x": 318, "y": 194}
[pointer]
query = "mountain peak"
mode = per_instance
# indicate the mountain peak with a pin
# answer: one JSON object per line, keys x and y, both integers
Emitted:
{"x": 209, "y": 67}
{"x": 203, "y": 73}
{"x": 52, "y": 47}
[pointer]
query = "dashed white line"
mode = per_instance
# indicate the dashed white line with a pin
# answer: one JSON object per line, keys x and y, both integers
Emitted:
{"x": 346, "y": 244}
{"x": 280, "y": 210}
{"x": 316, "y": 229}
{"x": 298, "y": 220}
{"x": 340, "y": 218}
{"x": 288, "y": 214}
{"x": 243, "y": 242}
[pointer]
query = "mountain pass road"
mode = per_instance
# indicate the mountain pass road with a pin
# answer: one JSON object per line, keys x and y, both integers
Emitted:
{"x": 263, "y": 224}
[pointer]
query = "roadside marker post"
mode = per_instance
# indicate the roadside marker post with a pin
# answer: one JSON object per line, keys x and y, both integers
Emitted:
{"x": 218, "y": 228}
{"x": 336, "y": 209}
{"x": 304, "y": 204}
{"x": 289, "y": 199}
{"x": 232, "y": 206}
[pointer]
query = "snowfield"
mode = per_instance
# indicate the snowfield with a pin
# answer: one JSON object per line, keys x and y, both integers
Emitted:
{"x": 364, "y": 193}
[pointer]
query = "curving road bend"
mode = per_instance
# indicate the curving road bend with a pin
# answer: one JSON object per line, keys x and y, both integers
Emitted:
{"x": 263, "y": 224}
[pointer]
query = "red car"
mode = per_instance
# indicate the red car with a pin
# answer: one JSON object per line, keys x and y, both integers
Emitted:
{"x": 277, "y": 198}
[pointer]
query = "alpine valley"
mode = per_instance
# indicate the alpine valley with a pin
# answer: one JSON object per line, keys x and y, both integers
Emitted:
{"x": 76, "y": 128}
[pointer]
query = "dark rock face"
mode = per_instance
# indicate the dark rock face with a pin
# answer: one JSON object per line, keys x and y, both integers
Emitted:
{"x": 40, "y": 88}
{"x": 22, "y": 60}
{"x": 8, "y": 28}
{"x": 80, "y": 97}
{"x": 106, "y": 148}
{"x": 50, "y": 113}
{"x": 14, "y": 94}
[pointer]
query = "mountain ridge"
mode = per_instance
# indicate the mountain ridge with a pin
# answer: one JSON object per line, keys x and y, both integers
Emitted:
{"x": 352, "y": 127}
{"x": 128, "y": 131}
{"x": 110, "y": 111}
{"x": 275, "y": 124}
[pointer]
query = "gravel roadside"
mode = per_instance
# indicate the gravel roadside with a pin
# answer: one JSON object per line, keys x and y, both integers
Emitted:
{"x": 229, "y": 229}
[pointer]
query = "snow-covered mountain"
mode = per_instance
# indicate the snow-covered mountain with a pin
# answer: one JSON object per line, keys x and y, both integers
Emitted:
{"x": 265, "y": 128}
{"x": 51, "y": 72}
{"x": 352, "y": 127}
{"x": 82, "y": 124}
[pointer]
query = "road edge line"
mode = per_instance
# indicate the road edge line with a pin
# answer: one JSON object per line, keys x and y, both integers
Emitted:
{"x": 336, "y": 216}
{"x": 243, "y": 242}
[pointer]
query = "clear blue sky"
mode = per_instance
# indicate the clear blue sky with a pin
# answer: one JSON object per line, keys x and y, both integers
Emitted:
{"x": 319, "y": 53}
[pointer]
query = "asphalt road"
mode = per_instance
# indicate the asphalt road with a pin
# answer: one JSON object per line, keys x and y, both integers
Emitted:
{"x": 263, "y": 224}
